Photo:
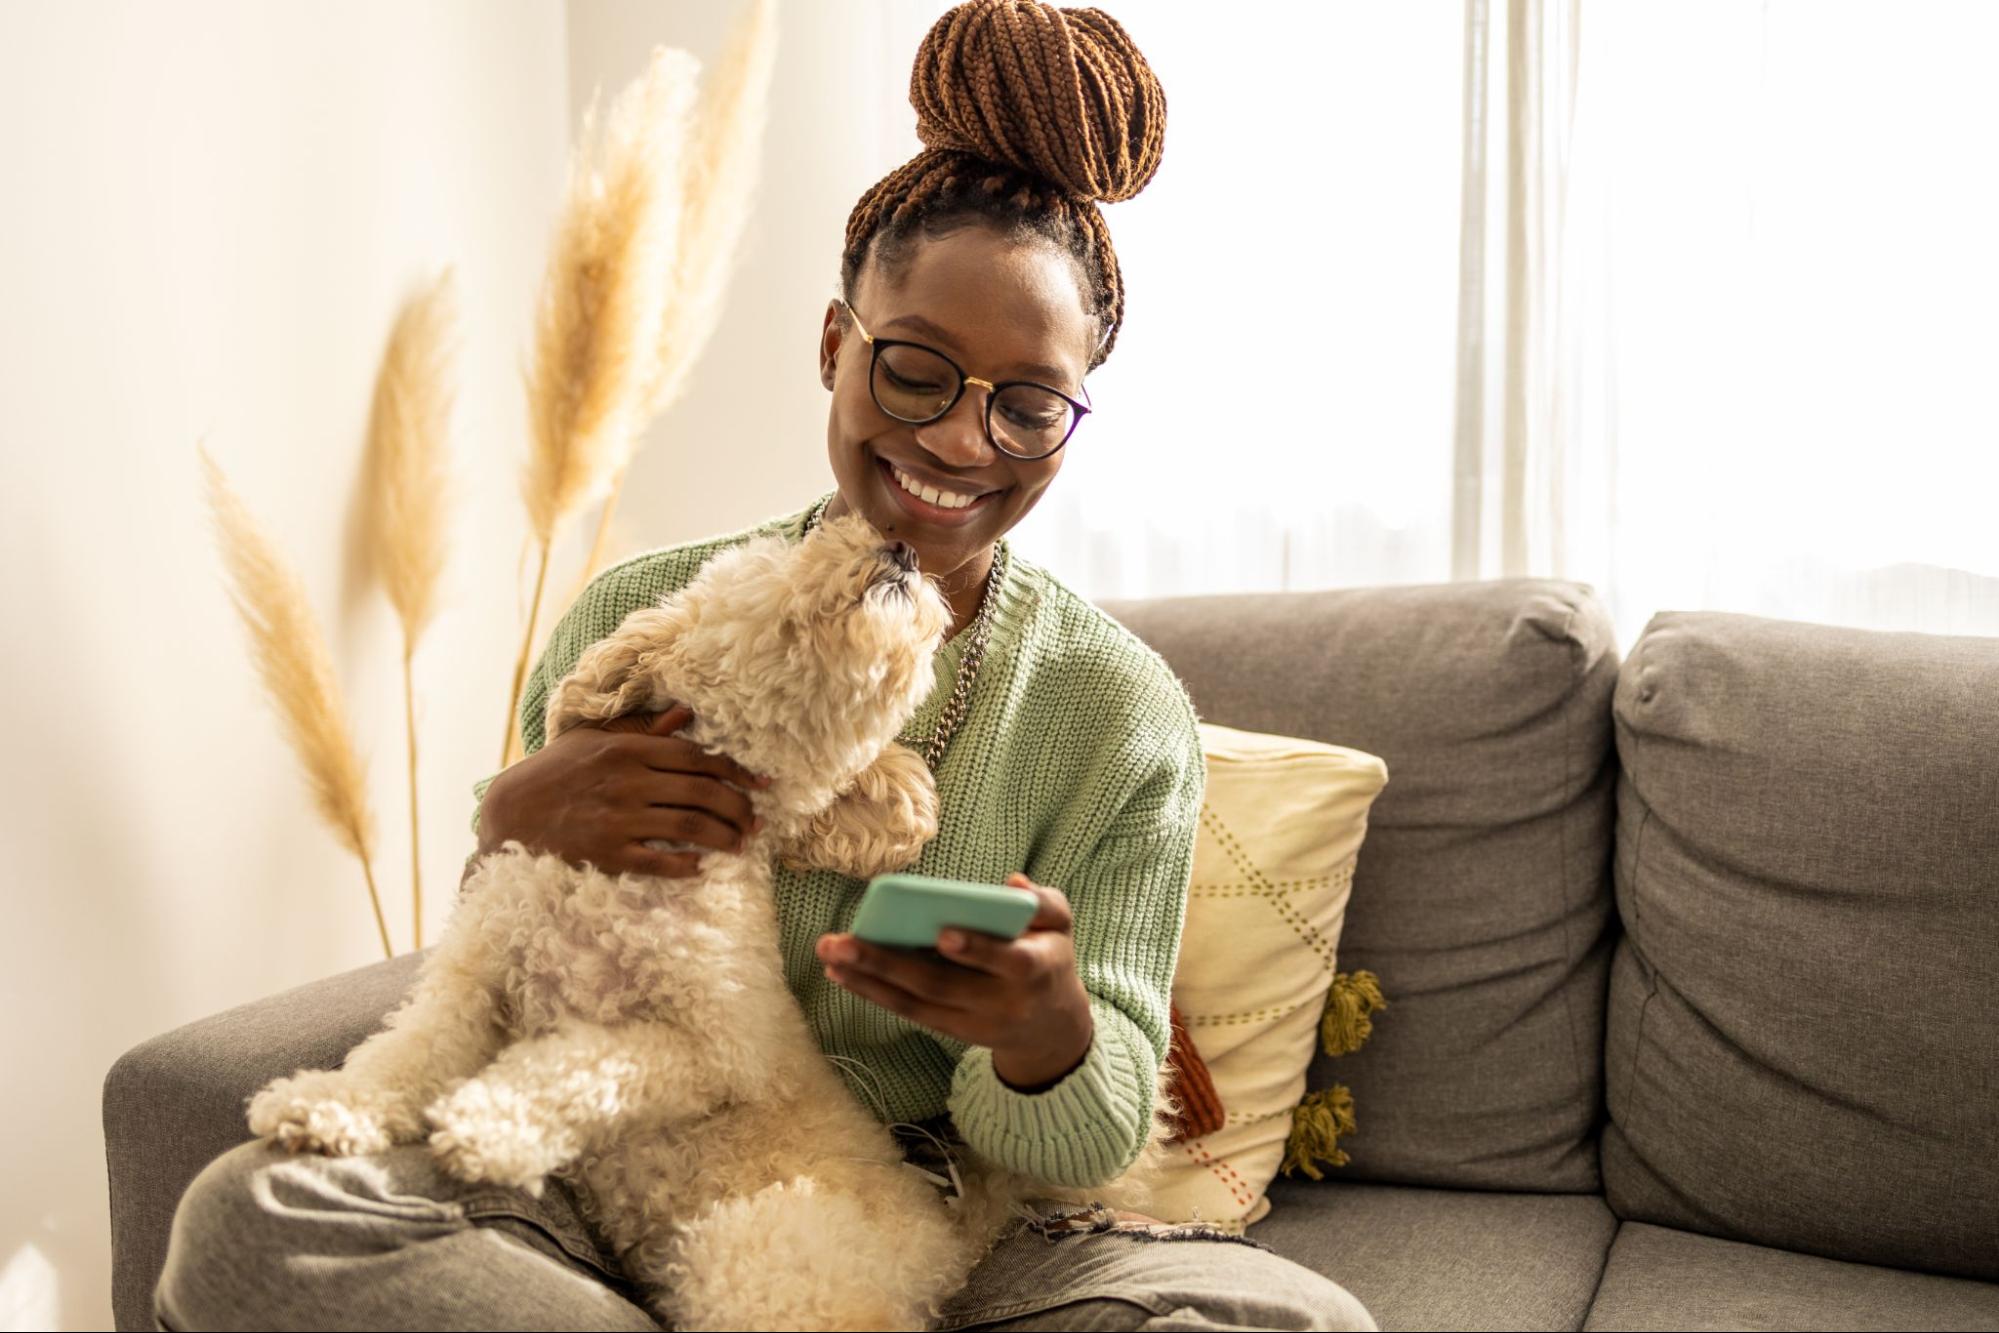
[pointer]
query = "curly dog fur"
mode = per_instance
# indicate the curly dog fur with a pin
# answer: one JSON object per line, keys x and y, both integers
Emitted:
{"x": 635, "y": 1032}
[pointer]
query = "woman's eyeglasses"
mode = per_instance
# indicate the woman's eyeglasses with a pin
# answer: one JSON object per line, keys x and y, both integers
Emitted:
{"x": 919, "y": 384}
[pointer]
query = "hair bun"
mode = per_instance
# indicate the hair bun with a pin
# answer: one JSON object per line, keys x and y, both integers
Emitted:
{"x": 1062, "y": 93}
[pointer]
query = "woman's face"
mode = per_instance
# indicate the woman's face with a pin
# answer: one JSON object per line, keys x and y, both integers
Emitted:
{"x": 1003, "y": 310}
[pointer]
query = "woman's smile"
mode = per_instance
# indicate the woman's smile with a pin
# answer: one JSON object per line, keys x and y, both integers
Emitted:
{"x": 923, "y": 510}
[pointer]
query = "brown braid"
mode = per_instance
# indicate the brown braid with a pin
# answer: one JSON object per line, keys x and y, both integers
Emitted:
{"x": 1028, "y": 114}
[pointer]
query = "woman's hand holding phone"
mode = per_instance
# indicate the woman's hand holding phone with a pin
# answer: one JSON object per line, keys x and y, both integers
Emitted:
{"x": 1021, "y": 997}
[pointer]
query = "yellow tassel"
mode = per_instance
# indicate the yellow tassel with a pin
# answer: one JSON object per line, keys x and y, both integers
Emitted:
{"x": 1345, "y": 1024}
{"x": 1316, "y": 1126}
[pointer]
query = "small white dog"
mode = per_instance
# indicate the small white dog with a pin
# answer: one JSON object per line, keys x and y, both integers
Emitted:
{"x": 635, "y": 1032}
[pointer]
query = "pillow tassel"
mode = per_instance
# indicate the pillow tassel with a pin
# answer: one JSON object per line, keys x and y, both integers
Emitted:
{"x": 1191, "y": 1086}
{"x": 1346, "y": 1024}
{"x": 1316, "y": 1126}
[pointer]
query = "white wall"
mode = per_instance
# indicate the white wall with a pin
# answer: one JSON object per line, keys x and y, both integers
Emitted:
{"x": 210, "y": 214}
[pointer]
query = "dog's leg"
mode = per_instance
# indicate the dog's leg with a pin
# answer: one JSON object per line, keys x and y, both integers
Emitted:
{"x": 546, "y": 1100}
{"x": 791, "y": 1255}
{"x": 446, "y": 1030}
{"x": 814, "y": 1200}
{"x": 879, "y": 824}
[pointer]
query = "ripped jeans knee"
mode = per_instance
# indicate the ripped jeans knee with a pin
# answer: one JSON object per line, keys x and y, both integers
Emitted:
{"x": 1068, "y": 1221}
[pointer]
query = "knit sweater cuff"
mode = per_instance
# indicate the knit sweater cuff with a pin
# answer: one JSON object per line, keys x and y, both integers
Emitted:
{"x": 1083, "y": 1131}
{"x": 479, "y": 801}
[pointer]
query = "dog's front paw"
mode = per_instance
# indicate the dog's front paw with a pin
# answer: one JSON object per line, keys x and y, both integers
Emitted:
{"x": 489, "y": 1132}
{"x": 327, "y": 1112}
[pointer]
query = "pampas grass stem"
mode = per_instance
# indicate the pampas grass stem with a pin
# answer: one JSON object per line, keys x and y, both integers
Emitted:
{"x": 416, "y": 858}
{"x": 509, "y": 743}
{"x": 375, "y": 901}
{"x": 408, "y": 470}
{"x": 290, "y": 656}
{"x": 596, "y": 560}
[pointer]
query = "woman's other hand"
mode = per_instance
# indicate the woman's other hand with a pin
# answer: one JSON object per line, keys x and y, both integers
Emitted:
{"x": 1020, "y": 997}
{"x": 599, "y": 790}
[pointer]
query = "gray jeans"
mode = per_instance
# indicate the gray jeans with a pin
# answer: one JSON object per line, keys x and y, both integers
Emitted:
{"x": 264, "y": 1240}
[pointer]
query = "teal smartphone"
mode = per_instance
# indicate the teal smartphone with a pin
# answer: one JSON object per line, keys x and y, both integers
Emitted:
{"x": 907, "y": 911}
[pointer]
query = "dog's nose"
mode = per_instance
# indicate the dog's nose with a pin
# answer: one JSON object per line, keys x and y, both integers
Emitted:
{"x": 903, "y": 554}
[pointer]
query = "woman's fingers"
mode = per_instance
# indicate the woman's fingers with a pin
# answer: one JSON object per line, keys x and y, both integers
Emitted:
{"x": 674, "y": 754}
{"x": 593, "y": 794}
{"x": 896, "y": 1000}
{"x": 931, "y": 980}
{"x": 1054, "y": 913}
{"x": 643, "y": 860}
{"x": 682, "y": 823}
{"x": 988, "y": 953}
{"x": 702, "y": 793}
{"x": 670, "y": 720}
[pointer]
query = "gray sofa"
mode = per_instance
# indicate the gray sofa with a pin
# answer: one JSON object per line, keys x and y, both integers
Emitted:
{"x": 1692, "y": 962}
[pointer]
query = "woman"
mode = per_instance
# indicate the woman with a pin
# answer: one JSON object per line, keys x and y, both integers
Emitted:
{"x": 978, "y": 288}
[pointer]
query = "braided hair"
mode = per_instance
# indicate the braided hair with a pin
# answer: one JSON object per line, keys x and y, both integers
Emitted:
{"x": 1028, "y": 114}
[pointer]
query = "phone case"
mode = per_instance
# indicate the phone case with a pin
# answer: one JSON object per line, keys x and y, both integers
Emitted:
{"x": 907, "y": 911}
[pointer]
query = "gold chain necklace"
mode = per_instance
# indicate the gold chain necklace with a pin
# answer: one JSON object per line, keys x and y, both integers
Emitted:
{"x": 981, "y": 628}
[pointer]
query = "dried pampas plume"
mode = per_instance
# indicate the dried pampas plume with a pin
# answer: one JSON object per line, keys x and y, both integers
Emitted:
{"x": 721, "y": 172}
{"x": 408, "y": 474}
{"x": 717, "y": 182}
{"x": 603, "y": 298}
{"x": 290, "y": 656}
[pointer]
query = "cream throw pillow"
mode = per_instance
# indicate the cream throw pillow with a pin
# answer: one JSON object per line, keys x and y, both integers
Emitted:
{"x": 1281, "y": 828}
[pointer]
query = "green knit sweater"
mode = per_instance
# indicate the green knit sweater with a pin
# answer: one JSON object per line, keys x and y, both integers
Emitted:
{"x": 1078, "y": 763}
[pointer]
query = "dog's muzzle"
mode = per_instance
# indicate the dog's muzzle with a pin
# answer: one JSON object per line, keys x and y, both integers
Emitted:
{"x": 899, "y": 566}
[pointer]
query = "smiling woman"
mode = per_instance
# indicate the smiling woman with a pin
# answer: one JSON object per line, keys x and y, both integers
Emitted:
{"x": 979, "y": 288}
{"x": 989, "y": 302}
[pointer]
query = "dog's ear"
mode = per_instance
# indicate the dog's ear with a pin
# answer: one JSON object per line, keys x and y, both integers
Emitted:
{"x": 614, "y": 676}
{"x": 879, "y": 824}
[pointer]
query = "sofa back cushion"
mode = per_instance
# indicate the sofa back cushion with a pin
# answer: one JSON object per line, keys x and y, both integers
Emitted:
{"x": 1482, "y": 900}
{"x": 1803, "y": 1045}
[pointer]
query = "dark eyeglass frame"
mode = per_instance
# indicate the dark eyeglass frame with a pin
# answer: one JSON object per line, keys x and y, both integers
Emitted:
{"x": 875, "y": 345}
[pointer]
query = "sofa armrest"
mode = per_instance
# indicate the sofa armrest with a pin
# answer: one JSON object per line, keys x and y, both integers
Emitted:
{"x": 174, "y": 1103}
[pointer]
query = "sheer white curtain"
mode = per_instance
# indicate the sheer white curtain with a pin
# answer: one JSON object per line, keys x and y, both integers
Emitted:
{"x": 1797, "y": 203}
{"x": 1278, "y": 410}
{"x": 1530, "y": 388}
{"x": 1690, "y": 302}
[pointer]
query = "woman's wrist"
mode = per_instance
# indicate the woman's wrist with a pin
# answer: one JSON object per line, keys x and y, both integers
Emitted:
{"x": 1039, "y": 1067}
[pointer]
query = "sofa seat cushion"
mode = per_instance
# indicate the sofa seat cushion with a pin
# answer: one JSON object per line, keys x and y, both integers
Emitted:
{"x": 1436, "y": 1258}
{"x": 1482, "y": 901}
{"x": 1804, "y": 1028}
{"x": 1664, "y": 1278}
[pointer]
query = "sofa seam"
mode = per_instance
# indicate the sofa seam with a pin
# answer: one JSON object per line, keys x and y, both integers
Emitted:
{"x": 1569, "y": 959}
{"x": 1603, "y": 1269}
{"x": 1637, "y": 913}
{"x": 1651, "y": 985}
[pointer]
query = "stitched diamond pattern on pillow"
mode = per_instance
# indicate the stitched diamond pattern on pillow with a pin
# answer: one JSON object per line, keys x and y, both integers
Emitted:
{"x": 1281, "y": 829}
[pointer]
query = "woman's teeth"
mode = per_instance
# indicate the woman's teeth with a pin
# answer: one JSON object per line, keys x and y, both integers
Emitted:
{"x": 923, "y": 491}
